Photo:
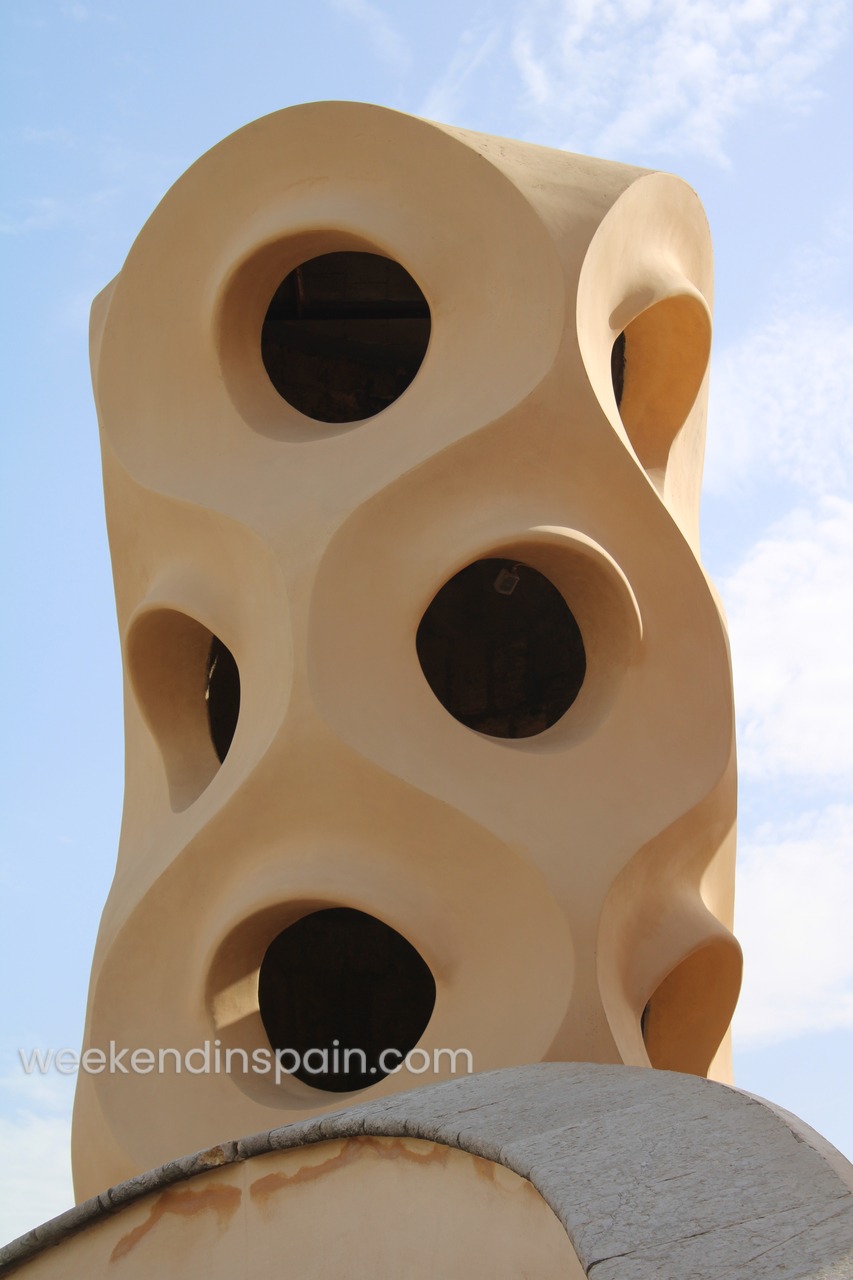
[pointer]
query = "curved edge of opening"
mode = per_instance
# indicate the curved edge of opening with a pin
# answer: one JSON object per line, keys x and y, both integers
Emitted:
{"x": 602, "y": 603}
{"x": 665, "y": 357}
{"x": 243, "y": 303}
{"x": 501, "y": 649}
{"x": 233, "y": 1002}
{"x": 687, "y": 1016}
{"x": 653, "y": 245}
{"x": 343, "y": 997}
{"x": 344, "y": 335}
{"x": 172, "y": 661}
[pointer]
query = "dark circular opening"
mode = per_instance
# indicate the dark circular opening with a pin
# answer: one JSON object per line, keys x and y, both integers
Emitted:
{"x": 336, "y": 991}
{"x": 344, "y": 335}
{"x": 222, "y": 695}
{"x": 501, "y": 649}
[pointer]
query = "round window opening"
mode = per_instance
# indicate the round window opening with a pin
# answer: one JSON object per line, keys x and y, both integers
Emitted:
{"x": 343, "y": 998}
{"x": 344, "y": 335}
{"x": 501, "y": 649}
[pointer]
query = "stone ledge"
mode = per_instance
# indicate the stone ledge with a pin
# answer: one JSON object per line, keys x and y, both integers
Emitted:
{"x": 651, "y": 1173}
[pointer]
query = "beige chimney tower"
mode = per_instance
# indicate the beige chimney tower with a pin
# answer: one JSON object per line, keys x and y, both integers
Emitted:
{"x": 428, "y": 841}
{"x": 428, "y": 698}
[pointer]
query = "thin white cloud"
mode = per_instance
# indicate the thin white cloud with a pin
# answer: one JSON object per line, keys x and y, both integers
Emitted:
{"x": 35, "y": 1138}
{"x": 444, "y": 99}
{"x": 782, "y": 396}
{"x": 85, "y": 13}
{"x": 33, "y": 215}
{"x": 387, "y": 42}
{"x": 44, "y": 213}
{"x": 782, "y": 406}
{"x": 78, "y": 12}
{"x": 61, "y": 137}
{"x": 616, "y": 75}
{"x": 71, "y": 313}
{"x": 790, "y": 609}
{"x": 824, "y": 269}
{"x": 35, "y": 1183}
{"x": 781, "y": 435}
{"x": 794, "y": 889}
{"x": 128, "y": 179}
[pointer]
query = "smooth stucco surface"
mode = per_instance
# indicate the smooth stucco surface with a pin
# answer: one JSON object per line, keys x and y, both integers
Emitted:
{"x": 561, "y": 888}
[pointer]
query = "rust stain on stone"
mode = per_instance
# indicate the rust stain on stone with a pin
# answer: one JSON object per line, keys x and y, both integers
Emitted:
{"x": 485, "y": 1168}
{"x": 223, "y": 1201}
{"x": 352, "y": 1149}
{"x": 503, "y": 1178}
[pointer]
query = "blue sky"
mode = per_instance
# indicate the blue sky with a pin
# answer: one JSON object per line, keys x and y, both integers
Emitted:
{"x": 105, "y": 104}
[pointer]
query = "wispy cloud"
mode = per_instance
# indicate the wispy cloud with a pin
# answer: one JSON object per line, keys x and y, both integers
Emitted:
{"x": 823, "y": 269}
{"x": 782, "y": 405}
{"x": 791, "y": 625}
{"x": 122, "y": 178}
{"x": 35, "y": 1137}
{"x": 444, "y": 99}
{"x": 47, "y": 212}
{"x": 36, "y": 1177}
{"x": 85, "y": 13}
{"x": 781, "y": 451}
{"x": 615, "y": 75}
{"x": 795, "y": 886}
{"x": 71, "y": 314}
{"x": 782, "y": 395}
{"x": 60, "y": 137}
{"x": 389, "y": 45}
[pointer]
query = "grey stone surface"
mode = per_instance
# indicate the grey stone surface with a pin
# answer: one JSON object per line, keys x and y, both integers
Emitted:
{"x": 652, "y": 1174}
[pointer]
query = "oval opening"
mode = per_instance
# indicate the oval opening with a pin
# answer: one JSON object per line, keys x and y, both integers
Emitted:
{"x": 222, "y": 696}
{"x": 501, "y": 649}
{"x": 344, "y": 335}
{"x": 687, "y": 1016}
{"x": 343, "y": 998}
{"x": 657, "y": 365}
{"x": 188, "y": 687}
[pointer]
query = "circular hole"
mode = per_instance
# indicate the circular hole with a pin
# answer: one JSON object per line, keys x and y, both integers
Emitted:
{"x": 344, "y": 335}
{"x": 335, "y": 990}
{"x": 501, "y": 649}
{"x": 222, "y": 696}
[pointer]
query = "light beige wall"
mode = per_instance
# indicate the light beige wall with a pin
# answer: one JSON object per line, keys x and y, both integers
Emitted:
{"x": 555, "y": 885}
{"x": 378, "y": 1208}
